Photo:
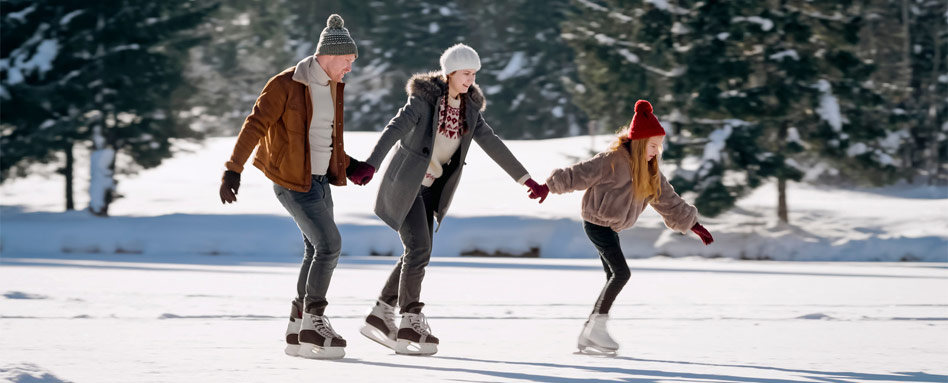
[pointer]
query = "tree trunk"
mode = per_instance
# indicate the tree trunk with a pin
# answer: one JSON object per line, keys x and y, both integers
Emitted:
{"x": 782, "y": 199}
{"x": 907, "y": 45}
{"x": 68, "y": 173}
{"x": 915, "y": 156}
{"x": 102, "y": 165}
{"x": 782, "y": 133}
{"x": 102, "y": 161}
{"x": 931, "y": 91}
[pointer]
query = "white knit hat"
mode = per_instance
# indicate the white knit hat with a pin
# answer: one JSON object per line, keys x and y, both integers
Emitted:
{"x": 459, "y": 57}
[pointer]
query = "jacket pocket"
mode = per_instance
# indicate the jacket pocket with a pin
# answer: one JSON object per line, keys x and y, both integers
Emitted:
{"x": 397, "y": 160}
{"x": 407, "y": 163}
{"x": 277, "y": 146}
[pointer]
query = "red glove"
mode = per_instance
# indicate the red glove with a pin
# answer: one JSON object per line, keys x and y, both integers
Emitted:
{"x": 360, "y": 173}
{"x": 537, "y": 191}
{"x": 230, "y": 182}
{"x": 703, "y": 233}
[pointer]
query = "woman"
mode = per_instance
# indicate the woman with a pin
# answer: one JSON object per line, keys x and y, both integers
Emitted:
{"x": 434, "y": 131}
{"x": 620, "y": 183}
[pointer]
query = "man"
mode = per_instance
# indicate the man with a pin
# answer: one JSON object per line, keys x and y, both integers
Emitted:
{"x": 296, "y": 126}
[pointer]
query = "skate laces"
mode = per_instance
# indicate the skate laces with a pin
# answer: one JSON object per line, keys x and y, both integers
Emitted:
{"x": 419, "y": 323}
{"x": 324, "y": 328}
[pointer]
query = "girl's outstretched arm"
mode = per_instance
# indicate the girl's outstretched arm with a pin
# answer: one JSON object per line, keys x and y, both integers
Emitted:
{"x": 580, "y": 176}
{"x": 678, "y": 214}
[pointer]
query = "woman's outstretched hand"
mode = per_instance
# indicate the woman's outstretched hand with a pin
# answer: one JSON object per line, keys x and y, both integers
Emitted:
{"x": 702, "y": 233}
{"x": 536, "y": 190}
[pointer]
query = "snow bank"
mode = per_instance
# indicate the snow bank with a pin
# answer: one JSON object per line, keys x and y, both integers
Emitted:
{"x": 175, "y": 209}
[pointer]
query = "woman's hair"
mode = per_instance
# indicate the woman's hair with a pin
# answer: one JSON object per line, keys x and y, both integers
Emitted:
{"x": 444, "y": 106}
{"x": 644, "y": 172}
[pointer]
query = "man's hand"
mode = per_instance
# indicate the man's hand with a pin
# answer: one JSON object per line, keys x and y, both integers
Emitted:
{"x": 360, "y": 173}
{"x": 230, "y": 182}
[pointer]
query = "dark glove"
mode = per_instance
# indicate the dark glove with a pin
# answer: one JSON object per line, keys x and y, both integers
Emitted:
{"x": 229, "y": 185}
{"x": 360, "y": 173}
{"x": 537, "y": 191}
{"x": 703, "y": 233}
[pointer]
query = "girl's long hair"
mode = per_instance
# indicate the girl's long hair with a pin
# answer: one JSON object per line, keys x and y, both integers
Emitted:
{"x": 644, "y": 172}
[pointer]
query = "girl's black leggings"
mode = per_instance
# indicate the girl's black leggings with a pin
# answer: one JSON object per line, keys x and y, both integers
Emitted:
{"x": 613, "y": 262}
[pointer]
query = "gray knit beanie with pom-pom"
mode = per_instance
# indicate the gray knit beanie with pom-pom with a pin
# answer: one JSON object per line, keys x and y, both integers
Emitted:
{"x": 335, "y": 39}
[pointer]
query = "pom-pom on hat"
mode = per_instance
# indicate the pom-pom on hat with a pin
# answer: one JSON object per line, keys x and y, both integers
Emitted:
{"x": 644, "y": 124}
{"x": 335, "y": 39}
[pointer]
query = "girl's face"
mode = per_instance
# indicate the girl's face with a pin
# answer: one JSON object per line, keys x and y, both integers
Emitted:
{"x": 460, "y": 81}
{"x": 653, "y": 146}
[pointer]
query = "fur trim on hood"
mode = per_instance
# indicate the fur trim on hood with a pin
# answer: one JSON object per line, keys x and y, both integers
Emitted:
{"x": 429, "y": 86}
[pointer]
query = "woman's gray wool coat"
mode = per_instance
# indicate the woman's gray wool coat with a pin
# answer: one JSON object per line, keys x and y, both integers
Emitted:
{"x": 414, "y": 129}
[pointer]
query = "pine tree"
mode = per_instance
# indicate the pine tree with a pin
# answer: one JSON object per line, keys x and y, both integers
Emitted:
{"x": 397, "y": 39}
{"x": 624, "y": 52}
{"x": 924, "y": 51}
{"x": 247, "y": 45}
{"x": 108, "y": 74}
{"x": 757, "y": 90}
{"x": 40, "y": 100}
{"x": 526, "y": 68}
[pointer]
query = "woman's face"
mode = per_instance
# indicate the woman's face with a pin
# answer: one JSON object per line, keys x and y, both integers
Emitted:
{"x": 653, "y": 146}
{"x": 460, "y": 81}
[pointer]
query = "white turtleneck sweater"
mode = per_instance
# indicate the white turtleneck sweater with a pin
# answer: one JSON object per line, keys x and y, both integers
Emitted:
{"x": 321, "y": 128}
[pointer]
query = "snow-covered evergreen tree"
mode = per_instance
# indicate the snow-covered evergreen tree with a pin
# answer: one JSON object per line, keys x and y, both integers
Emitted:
{"x": 105, "y": 72}
{"x": 756, "y": 90}
{"x": 36, "y": 123}
{"x": 623, "y": 53}
{"x": 925, "y": 52}
{"x": 526, "y": 67}
{"x": 247, "y": 44}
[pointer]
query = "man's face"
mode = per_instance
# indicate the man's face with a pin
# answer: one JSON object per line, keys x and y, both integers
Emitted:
{"x": 336, "y": 66}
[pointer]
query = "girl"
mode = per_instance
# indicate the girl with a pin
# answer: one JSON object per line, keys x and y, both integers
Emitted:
{"x": 434, "y": 131}
{"x": 619, "y": 184}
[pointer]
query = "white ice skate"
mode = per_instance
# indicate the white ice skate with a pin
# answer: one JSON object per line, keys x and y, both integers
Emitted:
{"x": 380, "y": 325}
{"x": 414, "y": 336}
{"x": 293, "y": 330}
{"x": 595, "y": 339}
{"x": 318, "y": 340}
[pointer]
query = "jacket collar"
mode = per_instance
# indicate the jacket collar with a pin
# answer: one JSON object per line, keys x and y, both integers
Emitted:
{"x": 429, "y": 86}
{"x": 309, "y": 72}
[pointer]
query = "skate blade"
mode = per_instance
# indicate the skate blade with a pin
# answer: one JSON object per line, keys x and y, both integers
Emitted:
{"x": 311, "y": 351}
{"x": 406, "y": 347}
{"x": 377, "y": 336}
{"x": 596, "y": 351}
{"x": 292, "y": 349}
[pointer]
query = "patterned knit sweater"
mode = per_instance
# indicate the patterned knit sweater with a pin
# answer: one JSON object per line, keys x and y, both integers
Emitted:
{"x": 446, "y": 141}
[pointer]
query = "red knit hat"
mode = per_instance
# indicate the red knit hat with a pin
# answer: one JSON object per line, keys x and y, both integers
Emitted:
{"x": 644, "y": 124}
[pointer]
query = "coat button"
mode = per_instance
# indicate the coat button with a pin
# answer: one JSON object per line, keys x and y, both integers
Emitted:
{"x": 424, "y": 151}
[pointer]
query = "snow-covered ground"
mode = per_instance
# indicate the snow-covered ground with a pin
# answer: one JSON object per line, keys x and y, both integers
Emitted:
{"x": 175, "y": 208}
{"x": 136, "y": 318}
